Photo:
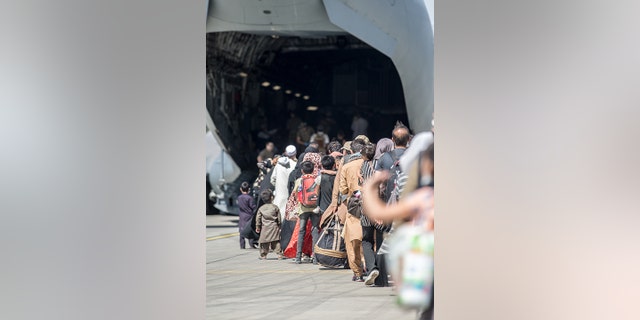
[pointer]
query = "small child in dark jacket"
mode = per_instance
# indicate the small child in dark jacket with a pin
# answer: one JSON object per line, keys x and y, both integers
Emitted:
{"x": 246, "y": 207}
{"x": 268, "y": 225}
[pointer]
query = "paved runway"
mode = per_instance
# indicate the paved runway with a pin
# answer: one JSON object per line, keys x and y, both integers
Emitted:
{"x": 239, "y": 286}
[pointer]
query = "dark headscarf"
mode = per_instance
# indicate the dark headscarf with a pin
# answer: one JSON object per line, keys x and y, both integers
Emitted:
{"x": 311, "y": 149}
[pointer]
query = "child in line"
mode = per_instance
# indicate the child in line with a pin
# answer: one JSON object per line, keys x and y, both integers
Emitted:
{"x": 268, "y": 226}
{"x": 246, "y": 207}
{"x": 306, "y": 212}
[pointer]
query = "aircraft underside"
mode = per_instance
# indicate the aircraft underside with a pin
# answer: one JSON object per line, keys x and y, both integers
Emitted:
{"x": 266, "y": 59}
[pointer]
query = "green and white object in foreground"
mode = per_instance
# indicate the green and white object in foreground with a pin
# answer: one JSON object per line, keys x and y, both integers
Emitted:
{"x": 410, "y": 261}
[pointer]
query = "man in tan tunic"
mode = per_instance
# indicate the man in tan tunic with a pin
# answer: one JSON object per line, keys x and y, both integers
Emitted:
{"x": 268, "y": 225}
{"x": 350, "y": 181}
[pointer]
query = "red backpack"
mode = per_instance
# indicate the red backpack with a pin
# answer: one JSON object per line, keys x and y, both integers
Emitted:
{"x": 308, "y": 190}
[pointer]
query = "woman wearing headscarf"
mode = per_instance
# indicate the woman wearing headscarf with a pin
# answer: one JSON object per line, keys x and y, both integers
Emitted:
{"x": 296, "y": 172}
{"x": 384, "y": 145}
{"x": 289, "y": 224}
{"x": 317, "y": 166}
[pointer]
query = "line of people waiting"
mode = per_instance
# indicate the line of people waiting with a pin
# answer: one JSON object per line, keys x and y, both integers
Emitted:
{"x": 367, "y": 189}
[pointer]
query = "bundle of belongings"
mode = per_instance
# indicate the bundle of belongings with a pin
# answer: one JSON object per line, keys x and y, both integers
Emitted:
{"x": 330, "y": 250}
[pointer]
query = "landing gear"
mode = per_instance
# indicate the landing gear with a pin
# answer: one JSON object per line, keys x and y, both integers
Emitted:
{"x": 211, "y": 201}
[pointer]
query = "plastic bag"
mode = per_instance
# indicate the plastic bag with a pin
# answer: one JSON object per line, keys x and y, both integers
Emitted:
{"x": 410, "y": 262}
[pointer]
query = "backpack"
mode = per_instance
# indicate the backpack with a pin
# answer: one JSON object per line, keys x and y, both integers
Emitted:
{"x": 308, "y": 191}
{"x": 394, "y": 171}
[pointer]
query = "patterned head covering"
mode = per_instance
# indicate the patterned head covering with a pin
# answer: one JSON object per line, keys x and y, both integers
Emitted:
{"x": 315, "y": 159}
{"x": 292, "y": 202}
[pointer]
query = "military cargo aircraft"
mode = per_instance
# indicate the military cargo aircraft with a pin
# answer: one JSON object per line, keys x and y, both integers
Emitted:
{"x": 268, "y": 59}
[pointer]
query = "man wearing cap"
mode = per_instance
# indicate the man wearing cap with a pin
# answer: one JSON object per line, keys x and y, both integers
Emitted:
{"x": 280, "y": 178}
{"x": 346, "y": 149}
{"x": 350, "y": 152}
{"x": 363, "y": 138}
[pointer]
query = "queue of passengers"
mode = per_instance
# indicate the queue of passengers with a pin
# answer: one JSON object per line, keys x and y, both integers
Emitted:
{"x": 363, "y": 191}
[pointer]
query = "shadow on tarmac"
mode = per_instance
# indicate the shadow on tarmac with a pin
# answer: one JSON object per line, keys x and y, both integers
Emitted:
{"x": 223, "y": 226}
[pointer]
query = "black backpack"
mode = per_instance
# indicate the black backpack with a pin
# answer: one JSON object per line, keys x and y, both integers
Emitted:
{"x": 394, "y": 172}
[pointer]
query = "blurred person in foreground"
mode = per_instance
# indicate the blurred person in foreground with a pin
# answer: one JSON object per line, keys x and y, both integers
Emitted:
{"x": 416, "y": 205}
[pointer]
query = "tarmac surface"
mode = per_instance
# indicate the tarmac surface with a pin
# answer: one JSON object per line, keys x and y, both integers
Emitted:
{"x": 239, "y": 286}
